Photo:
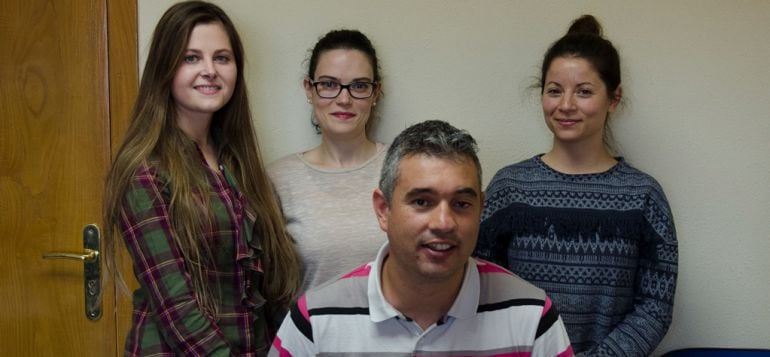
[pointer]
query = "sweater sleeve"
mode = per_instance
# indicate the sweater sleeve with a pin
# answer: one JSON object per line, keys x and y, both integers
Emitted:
{"x": 492, "y": 242}
{"x": 161, "y": 272}
{"x": 493, "y": 236}
{"x": 643, "y": 328}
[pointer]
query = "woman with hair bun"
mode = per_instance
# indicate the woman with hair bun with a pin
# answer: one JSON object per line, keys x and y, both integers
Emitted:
{"x": 580, "y": 222}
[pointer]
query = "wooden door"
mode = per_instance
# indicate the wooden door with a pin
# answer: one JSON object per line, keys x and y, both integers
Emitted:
{"x": 68, "y": 76}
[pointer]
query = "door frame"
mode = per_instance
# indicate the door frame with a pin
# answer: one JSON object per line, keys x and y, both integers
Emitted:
{"x": 123, "y": 82}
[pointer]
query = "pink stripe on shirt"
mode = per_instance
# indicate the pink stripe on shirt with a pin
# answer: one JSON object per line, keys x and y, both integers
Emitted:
{"x": 360, "y": 271}
{"x": 512, "y": 354}
{"x": 282, "y": 352}
{"x": 567, "y": 353}
{"x": 547, "y": 306}
{"x": 487, "y": 267}
{"x": 302, "y": 306}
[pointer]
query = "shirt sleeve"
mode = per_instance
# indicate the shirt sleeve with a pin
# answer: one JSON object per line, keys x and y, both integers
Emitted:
{"x": 161, "y": 272}
{"x": 643, "y": 328}
{"x": 551, "y": 339}
{"x": 295, "y": 336}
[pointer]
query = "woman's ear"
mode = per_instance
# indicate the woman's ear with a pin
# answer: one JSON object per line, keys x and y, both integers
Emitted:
{"x": 377, "y": 92}
{"x": 308, "y": 85}
{"x": 617, "y": 95}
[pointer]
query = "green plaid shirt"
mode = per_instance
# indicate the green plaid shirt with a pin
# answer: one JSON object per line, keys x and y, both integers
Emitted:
{"x": 167, "y": 320}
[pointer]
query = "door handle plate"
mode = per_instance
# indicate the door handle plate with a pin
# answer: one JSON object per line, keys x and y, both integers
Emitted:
{"x": 92, "y": 273}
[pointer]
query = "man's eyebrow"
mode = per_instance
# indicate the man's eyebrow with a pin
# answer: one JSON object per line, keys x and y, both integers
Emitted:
{"x": 462, "y": 191}
{"x": 419, "y": 191}
{"x": 467, "y": 191}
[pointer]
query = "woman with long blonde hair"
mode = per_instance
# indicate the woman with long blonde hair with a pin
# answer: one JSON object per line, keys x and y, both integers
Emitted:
{"x": 189, "y": 195}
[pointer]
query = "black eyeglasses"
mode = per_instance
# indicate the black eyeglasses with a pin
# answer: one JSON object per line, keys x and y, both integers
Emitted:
{"x": 332, "y": 89}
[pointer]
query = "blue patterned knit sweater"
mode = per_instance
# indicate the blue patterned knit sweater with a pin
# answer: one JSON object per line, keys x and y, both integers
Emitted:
{"x": 603, "y": 246}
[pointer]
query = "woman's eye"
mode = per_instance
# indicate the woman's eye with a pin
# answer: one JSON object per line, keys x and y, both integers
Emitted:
{"x": 359, "y": 86}
{"x": 222, "y": 59}
{"x": 330, "y": 84}
{"x": 191, "y": 59}
{"x": 552, "y": 92}
{"x": 585, "y": 92}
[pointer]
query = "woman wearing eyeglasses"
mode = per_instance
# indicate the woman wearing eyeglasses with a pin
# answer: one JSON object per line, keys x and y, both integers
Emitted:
{"x": 326, "y": 192}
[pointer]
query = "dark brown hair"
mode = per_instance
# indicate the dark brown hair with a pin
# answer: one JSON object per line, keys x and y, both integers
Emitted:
{"x": 153, "y": 136}
{"x": 343, "y": 40}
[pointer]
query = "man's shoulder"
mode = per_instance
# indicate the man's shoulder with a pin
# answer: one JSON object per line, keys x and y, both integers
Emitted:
{"x": 346, "y": 291}
{"x": 502, "y": 288}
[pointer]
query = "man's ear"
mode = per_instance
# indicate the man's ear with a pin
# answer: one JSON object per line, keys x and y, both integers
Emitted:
{"x": 381, "y": 209}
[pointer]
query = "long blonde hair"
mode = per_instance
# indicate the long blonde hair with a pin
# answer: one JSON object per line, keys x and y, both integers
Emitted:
{"x": 153, "y": 136}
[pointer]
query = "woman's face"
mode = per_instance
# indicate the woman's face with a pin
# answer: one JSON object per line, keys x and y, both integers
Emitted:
{"x": 205, "y": 80}
{"x": 342, "y": 117}
{"x": 575, "y": 101}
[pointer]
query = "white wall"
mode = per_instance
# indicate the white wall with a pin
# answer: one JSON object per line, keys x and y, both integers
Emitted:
{"x": 697, "y": 114}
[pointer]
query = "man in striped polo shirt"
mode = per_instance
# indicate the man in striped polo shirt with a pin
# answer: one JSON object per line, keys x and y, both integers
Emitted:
{"x": 424, "y": 295}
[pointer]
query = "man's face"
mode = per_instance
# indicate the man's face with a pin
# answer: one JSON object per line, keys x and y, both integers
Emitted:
{"x": 432, "y": 220}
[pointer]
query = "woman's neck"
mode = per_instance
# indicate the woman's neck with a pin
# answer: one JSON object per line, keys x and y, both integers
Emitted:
{"x": 579, "y": 158}
{"x": 195, "y": 126}
{"x": 198, "y": 130}
{"x": 341, "y": 154}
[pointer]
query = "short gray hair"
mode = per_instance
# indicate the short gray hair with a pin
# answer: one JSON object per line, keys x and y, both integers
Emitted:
{"x": 433, "y": 138}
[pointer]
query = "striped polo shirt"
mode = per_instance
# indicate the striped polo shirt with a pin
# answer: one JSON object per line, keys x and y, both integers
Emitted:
{"x": 495, "y": 313}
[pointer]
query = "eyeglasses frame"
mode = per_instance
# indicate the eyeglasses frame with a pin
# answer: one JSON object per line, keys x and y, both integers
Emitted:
{"x": 344, "y": 86}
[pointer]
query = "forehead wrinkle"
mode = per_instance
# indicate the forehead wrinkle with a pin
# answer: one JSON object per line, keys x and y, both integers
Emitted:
{"x": 420, "y": 190}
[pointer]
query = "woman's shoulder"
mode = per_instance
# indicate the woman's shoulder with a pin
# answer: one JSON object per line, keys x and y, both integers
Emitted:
{"x": 521, "y": 169}
{"x": 285, "y": 165}
{"x": 149, "y": 173}
{"x": 513, "y": 176}
{"x": 631, "y": 176}
{"x": 149, "y": 168}
{"x": 382, "y": 151}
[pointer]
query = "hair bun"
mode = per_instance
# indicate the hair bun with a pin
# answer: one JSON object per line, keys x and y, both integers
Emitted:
{"x": 586, "y": 24}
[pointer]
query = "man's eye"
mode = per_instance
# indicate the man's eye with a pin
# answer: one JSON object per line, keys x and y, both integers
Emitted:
{"x": 463, "y": 204}
{"x": 419, "y": 202}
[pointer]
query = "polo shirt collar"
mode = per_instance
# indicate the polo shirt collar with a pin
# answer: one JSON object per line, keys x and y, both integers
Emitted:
{"x": 379, "y": 308}
{"x": 464, "y": 306}
{"x": 467, "y": 300}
